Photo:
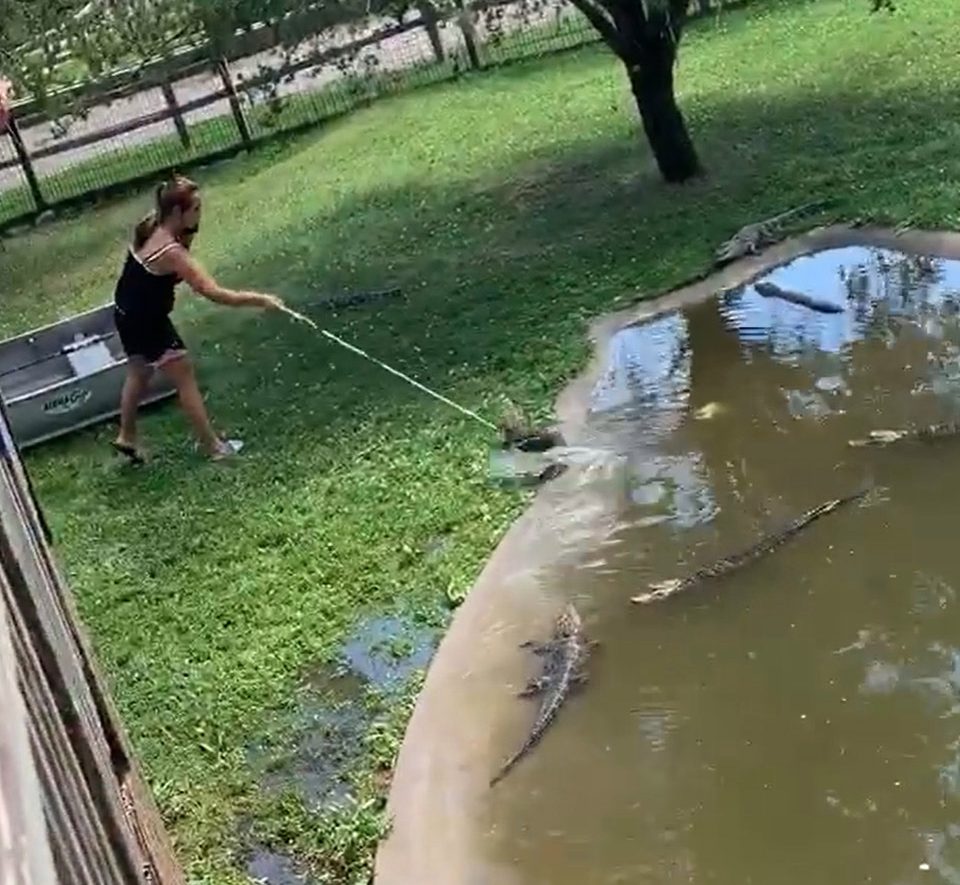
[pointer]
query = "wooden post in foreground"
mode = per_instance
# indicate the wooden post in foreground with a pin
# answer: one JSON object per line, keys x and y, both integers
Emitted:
{"x": 74, "y": 809}
{"x": 23, "y": 155}
{"x": 465, "y": 22}
{"x": 166, "y": 87}
{"x": 428, "y": 12}
{"x": 239, "y": 117}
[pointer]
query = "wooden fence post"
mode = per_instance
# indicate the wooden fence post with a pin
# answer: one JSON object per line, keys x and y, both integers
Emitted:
{"x": 428, "y": 13}
{"x": 465, "y": 22}
{"x": 166, "y": 87}
{"x": 235, "y": 106}
{"x": 23, "y": 155}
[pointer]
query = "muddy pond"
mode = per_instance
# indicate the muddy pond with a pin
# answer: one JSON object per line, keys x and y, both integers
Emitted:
{"x": 797, "y": 721}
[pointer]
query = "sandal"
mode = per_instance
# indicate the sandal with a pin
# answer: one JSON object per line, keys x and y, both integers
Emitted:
{"x": 228, "y": 448}
{"x": 129, "y": 452}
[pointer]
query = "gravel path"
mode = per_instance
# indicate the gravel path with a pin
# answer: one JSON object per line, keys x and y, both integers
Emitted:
{"x": 393, "y": 54}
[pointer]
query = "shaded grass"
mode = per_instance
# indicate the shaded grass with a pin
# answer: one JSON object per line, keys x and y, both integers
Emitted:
{"x": 510, "y": 208}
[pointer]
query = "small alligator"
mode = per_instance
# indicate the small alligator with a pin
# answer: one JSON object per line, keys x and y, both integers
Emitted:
{"x": 771, "y": 290}
{"x": 532, "y": 440}
{"x": 750, "y": 239}
{"x": 516, "y": 432}
{"x": 357, "y": 299}
{"x": 665, "y": 589}
{"x": 565, "y": 656}
{"x": 930, "y": 433}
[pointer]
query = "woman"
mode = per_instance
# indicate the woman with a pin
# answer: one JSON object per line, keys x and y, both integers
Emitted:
{"x": 158, "y": 259}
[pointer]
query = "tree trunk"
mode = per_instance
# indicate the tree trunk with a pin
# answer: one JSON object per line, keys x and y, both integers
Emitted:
{"x": 651, "y": 79}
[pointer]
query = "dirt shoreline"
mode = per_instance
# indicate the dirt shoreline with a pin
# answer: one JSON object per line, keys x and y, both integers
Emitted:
{"x": 452, "y": 744}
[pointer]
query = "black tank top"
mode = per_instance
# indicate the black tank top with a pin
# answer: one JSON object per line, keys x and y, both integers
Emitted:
{"x": 142, "y": 294}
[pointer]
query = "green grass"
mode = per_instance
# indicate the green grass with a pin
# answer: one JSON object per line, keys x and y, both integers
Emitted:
{"x": 510, "y": 207}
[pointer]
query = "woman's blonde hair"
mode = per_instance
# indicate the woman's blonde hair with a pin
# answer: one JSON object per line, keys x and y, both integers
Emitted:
{"x": 178, "y": 192}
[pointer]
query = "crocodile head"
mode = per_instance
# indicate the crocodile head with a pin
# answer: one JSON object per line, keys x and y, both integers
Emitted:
{"x": 568, "y": 624}
{"x": 658, "y": 590}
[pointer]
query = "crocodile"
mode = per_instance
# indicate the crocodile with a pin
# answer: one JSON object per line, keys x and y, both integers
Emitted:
{"x": 516, "y": 432}
{"x": 751, "y": 238}
{"x": 930, "y": 433}
{"x": 664, "y": 589}
{"x": 771, "y": 290}
{"x": 357, "y": 299}
{"x": 565, "y": 655}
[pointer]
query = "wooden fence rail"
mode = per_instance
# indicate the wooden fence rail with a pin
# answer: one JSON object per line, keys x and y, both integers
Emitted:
{"x": 164, "y": 76}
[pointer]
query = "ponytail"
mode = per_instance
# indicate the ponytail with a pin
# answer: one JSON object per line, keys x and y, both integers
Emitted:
{"x": 177, "y": 193}
{"x": 145, "y": 227}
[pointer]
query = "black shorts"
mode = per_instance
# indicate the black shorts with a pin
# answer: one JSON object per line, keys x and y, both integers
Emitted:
{"x": 154, "y": 339}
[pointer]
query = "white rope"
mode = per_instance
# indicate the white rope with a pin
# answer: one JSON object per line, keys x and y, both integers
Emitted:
{"x": 390, "y": 369}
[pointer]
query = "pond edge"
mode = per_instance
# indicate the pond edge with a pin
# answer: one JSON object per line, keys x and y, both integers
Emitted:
{"x": 439, "y": 791}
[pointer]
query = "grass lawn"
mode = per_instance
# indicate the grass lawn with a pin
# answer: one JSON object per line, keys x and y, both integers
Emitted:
{"x": 510, "y": 207}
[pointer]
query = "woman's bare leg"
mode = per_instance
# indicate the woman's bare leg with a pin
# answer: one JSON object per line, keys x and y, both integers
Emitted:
{"x": 134, "y": 386}
{"x": 180, "y": 372}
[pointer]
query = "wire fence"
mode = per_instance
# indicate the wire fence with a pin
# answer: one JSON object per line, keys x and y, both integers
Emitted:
{"x": 199, "y": 109}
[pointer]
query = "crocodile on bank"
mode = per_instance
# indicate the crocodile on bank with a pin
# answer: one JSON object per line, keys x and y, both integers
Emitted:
{"x": 751, "y": 238}
{"x": 930, "y": 433}
{"x": 564, "y": 658}
{"x": 357, "y": 299}
{"x": 516, "y": 432}
{"x": 664, "y": 589}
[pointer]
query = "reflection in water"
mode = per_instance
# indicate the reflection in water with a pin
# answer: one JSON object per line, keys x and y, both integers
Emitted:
{"x": 807, "y": 404}
{"x": 647, "y": 383}
{"x": 943, "y": 854}
{"x": 931, "y": 594}
{"x": 873, "y": 285}
{"x": 798, "y": 722}
{"x": 649, "y": 366}
{"x": 673, "y": 488}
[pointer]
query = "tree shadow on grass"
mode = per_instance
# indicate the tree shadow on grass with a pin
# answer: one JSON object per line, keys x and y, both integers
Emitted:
{"x": 493, "y": 271}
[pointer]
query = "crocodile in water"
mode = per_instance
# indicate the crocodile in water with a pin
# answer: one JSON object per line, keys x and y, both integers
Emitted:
{"x": 930, "y": 433}
{"x": 664, "y": 589}
{"x": 564, "y": 657}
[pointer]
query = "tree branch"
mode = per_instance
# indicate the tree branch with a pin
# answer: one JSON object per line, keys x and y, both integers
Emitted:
{"x": 599, "y": 17}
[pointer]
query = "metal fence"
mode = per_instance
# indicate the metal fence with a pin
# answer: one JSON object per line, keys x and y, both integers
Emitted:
{"x": 195, "y": 109}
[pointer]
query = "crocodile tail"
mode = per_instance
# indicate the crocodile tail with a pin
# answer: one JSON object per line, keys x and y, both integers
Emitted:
{"x": 515, "y": 758}
{"x": 505, "y": 770}
{"x": 828, "y": 507}
{"x": 816, "y": 512}
{"x": 550, "y": 711}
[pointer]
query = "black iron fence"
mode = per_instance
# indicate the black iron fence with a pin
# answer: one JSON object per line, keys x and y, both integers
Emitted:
{"x": 191, "y": 108}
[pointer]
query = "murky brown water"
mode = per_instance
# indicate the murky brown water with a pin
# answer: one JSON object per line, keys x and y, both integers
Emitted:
{"x": 796, "y": 722}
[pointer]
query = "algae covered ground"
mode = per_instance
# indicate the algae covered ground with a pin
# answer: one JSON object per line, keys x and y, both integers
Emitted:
{"x": 509, "y": 207}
